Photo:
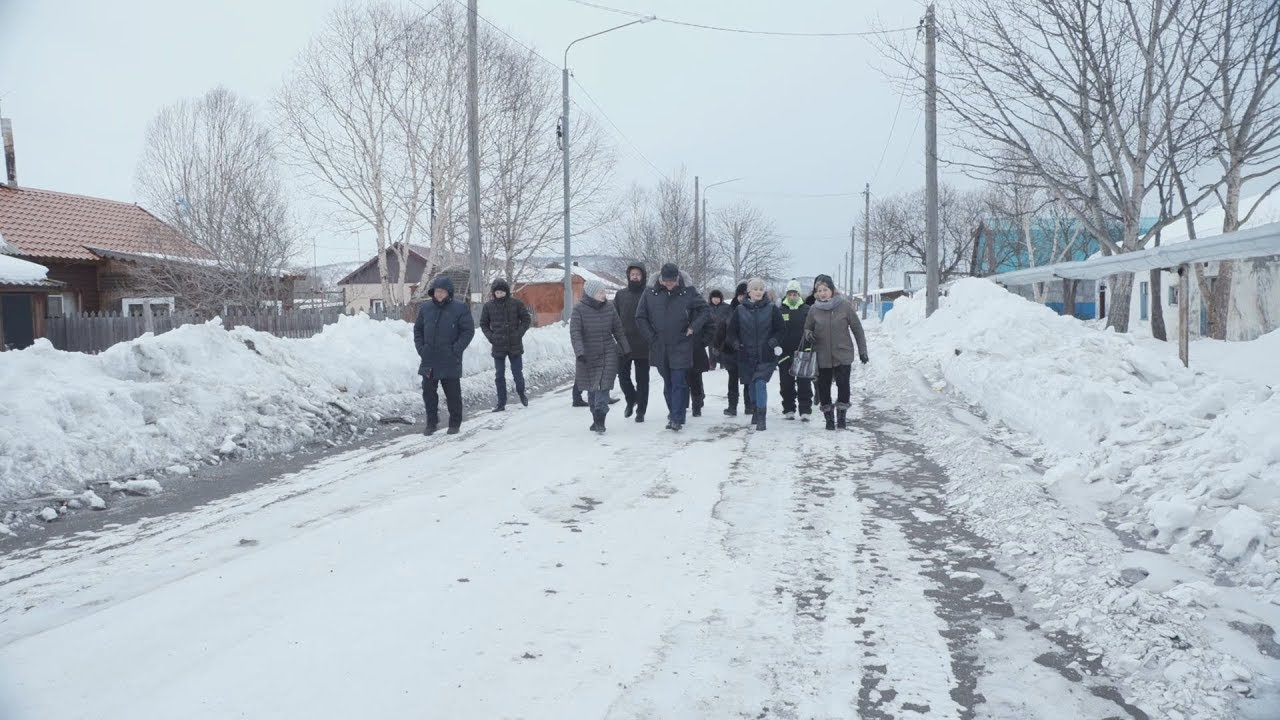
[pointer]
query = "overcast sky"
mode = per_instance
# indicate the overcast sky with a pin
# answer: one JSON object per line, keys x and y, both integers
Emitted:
{"x": 790, "y": 116}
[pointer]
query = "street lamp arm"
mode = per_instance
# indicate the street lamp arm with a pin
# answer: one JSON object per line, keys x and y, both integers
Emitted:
{"x": 602, "y": 32}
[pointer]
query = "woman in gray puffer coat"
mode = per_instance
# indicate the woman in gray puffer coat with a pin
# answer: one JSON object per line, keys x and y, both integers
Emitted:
{"x": 832, "y": 327}
{"x": 598, "y": 342}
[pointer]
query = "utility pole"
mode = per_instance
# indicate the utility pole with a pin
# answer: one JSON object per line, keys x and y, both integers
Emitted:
{"x": 848, "y": 278}
{"x": 849, "y": 273}
{"x": 866, "y": 251}
{"x": 931, "y": 163}
{"x": 473, "y": 160}
{"x": 697, "y": 254}
{"x": 706, "y": 254}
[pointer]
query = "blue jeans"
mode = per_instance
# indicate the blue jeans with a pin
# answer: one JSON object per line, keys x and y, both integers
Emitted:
{"x": 599, "y": 402}
{"x": 759, "y": 394}
{"x": 500, "y": 375}
{"x": 675, "y": 390}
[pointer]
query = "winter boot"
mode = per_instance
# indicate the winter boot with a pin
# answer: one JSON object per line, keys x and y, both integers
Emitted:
{"x": 631, "y": 408}
{"x": 578, "y": 401}
{"x": 789, "y": 415}
{"x": 760, "y": 416}
{"x": 830, "y": 417}
{"x": 840, "y": 419}
{"x": 500, "y": 408}
{"x": 731, "y": 411}
{"x": 524, "y": 399}
{"x": 806, "y": 416}
{"x": 597, "y": 424}
{"x": 430, "y": 429}
{"x": 639, "y": 416}
{"x": 600, "y": 424}
{"x": 453, "y": 430}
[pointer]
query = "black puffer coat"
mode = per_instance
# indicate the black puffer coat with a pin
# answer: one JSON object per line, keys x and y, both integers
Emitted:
{"x": 792, "y": 328}
{"x": 626, "y": 302}
{"x": 598, "y": 342}
{"x": 441, "y": 333}
{"x": 754, "y": 330}
{"x": 666, "y": 317}
{"x": 504, "y": 321}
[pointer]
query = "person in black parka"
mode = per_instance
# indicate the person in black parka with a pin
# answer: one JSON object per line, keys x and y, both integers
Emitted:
{"x": 729, "y": 358}
{"x": 441, "y": 334}
{"x": 626, "y": 302}
{"x": 671, "y": 315}
{"x": 755, "y": 332}
{"x": 716, "y": 328}
{"x": 504, "y": 321}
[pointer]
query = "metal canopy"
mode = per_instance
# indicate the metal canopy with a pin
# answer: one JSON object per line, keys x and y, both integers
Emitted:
{"x": 1261, "y": 241}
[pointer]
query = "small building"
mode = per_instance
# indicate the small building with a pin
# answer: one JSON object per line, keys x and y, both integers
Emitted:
{"x": 24, "y": 301}
{"x": 362, "y": 287}
{"x": 881, "y": 299}
{"x": 542, "y": 290}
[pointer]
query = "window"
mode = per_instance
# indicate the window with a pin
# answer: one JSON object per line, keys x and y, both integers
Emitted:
{"x": 376, "y": 305}
{"x": 55, "y": 306}
{"x": 1145, "y": 300}
{"x": 159, "y": 306}
{"x": 1173, "y": 295}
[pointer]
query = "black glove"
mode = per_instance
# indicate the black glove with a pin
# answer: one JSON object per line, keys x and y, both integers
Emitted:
{"x": 863, "y": 357}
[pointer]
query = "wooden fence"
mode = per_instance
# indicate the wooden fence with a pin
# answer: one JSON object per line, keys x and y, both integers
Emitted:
{"x": 94, "y": 332}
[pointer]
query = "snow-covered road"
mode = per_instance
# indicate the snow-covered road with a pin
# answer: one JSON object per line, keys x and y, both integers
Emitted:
{"x": 528, "y": 568}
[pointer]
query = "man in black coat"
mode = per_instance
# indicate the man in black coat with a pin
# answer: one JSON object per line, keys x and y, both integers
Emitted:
{"x": 504, "y": 321}
{"x": 794, "y": 312}
{"x": 626, "y": 302}
{"x": 728, "y": 357}
{"x": 441, "y": 333}
{"x": 671, "y": 315}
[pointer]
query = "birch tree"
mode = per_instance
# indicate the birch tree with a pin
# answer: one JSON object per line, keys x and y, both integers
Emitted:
{"x": 749, "y": 243}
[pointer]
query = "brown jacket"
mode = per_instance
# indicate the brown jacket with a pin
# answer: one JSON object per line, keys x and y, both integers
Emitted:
{"x": 831, "y": 327}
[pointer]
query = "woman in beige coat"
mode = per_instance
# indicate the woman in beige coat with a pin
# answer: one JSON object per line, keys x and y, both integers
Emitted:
{"x": 831, "y": 328}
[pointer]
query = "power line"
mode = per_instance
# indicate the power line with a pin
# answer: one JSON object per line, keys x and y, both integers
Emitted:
{"x": 513, "y": 38}
{"x": 618, "y": 129}
{"x": 773, "y": 193}
{"x": 741, "y": 31}
{"x": 892, "y": 126}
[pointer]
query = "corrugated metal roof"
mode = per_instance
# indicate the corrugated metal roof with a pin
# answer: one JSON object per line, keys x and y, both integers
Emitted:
{"x": 1261, "y": 241}
{"x": 48, "y": 224}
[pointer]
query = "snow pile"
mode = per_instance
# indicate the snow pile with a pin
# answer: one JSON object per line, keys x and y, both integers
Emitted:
{"x": 15, "y": 271}
{"x": 200, "y": 391}
{"x": 1184, "y": 460}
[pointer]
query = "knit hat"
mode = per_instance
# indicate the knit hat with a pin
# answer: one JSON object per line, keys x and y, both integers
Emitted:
{"x": 741, "y": 290}
{"x": 755, "y": 284}
{"x": 715, "y": 294}
{"x": 793, "y": 287}
{"x": 592, "y": 286}
{"x": 670, "y": 272}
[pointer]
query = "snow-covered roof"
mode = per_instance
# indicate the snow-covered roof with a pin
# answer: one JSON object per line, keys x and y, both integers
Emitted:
{"x": 883, "y": 291}
{"x": 1209, "y": 222}
{"x": 15, "y": 271}
{"x": 556, "y": 274}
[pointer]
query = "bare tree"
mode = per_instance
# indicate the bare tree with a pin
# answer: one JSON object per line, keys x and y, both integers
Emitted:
{"x": 523, "y": 165}
{"x": 1071, "y": 92}
{"x": 209, "y": 169}
{"x": 1241, "y": 114}
{"x": 656, "y": 225}
{"x": 960, "y": 215}
{"x": 748, "y": 242}
{"x": 353, "y": 111}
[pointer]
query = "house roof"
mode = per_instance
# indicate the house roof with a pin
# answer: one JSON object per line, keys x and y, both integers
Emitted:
{"x": 47, "y": 224}
{"x": 554, "y": 273}
{"x": 18, "y": 273}
{"x": 422, "y": 251}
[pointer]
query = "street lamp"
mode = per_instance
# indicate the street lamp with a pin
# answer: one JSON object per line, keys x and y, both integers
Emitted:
{"x": 564, "y": 145}
{"x": 706, "y": 231}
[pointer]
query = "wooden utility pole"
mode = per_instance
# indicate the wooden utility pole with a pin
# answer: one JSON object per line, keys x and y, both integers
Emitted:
{"x": 932, "y": 279}
{"x": 1184, "y": 315}
{"x": 697, "y": 254}
{"x": 473, "y": 162}
{"x": 866, "y": 251}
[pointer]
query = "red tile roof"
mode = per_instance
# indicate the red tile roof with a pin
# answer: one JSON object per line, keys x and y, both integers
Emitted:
{"x": 48, "y": 224}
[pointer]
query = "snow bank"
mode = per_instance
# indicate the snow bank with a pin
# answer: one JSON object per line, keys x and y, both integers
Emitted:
{"x": 1191, "y": 459}
{"x": 200, "y": 391}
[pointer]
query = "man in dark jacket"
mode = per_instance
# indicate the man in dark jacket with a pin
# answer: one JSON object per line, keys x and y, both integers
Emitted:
{"x": 441, "y": 333}
{"x": 671, "y": 314}
{"x": 729, "y": 358}
{"x": 794, "y": 312}
{"x": 626, "y": 302}
{"x": 504, "y": 321}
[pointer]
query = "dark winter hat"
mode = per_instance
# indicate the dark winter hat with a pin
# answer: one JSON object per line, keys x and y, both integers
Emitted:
{"x": 670, "y": 272}
{"x": 442, "y": 282}
{"x": 824, "y": 280}
{"x": 715, "y": 294}
{"x": 741, "y": 290}
{"x": 500, "y": 284}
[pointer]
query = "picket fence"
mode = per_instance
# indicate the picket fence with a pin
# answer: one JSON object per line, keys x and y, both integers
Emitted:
{"x": 93, "y": 332}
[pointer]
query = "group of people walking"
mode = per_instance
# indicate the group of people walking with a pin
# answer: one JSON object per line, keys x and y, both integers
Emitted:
{"x": 668, "y": 326}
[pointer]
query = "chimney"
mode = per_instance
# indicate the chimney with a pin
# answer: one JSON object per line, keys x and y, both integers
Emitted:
{"x": 6, "y": 129}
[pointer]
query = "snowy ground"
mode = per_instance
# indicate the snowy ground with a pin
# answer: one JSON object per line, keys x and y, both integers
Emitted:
{"x": 715, "y": 573}
{"x": 1030, "y": 519}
